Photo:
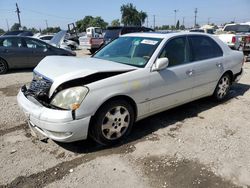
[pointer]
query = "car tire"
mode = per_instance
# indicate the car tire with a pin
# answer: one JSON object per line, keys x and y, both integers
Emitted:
{"x": 3, "y": 66}
{"x": 92, "y": 51}
{"x": 222, "y": 89}
{"x": 112, "y": 122}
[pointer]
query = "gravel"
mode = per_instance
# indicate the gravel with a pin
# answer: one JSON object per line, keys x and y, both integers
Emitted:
{"x": 200, "y": 144}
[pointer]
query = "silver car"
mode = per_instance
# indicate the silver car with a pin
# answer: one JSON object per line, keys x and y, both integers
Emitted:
{"x": 131, "y": 78}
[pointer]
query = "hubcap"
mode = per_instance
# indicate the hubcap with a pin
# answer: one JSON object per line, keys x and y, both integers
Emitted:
{"x": 2, "y": 66}
{"x": 115, "y": 123}
{"x": 224, "y": 85}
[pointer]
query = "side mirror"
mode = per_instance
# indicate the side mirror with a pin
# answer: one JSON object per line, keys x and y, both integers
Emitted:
{"x": 160, "y": 64}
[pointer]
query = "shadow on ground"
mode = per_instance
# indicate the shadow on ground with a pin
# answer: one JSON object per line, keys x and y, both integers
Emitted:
{"x": 151, "y": 124}
{"x": 26, "y": 70}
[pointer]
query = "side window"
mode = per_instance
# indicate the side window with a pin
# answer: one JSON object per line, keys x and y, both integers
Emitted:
{"x": 31, "y": 43}
{"x": 177, "y": 51}
{"x": 11, "y": 43}
{"x": 204, "y": 48}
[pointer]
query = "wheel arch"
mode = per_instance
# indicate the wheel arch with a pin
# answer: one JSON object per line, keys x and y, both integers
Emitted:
{"x": 230, "y": 73}
{"x": 120, "y": 97}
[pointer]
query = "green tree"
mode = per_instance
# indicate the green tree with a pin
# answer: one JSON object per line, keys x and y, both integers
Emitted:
{"x": 142, "y": 16}
{"x": 15, "y": 27}
{"x": 182, "y": 27}
{"x": 33, "y": 30}
{"x": 51, "y": 30}
{"x": 1, "y": 31}
{"x": 90, "y": 21}
{"x": 177, "y": 25}
{"x": 98, "y": 22}
{"x": 131, "y": 16}
{"x": 115, "y": 22}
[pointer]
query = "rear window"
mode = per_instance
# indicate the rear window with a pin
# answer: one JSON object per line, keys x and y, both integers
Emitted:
{"x": 112, "y": 34}
{"x": 237, "y": 28}
{"x": 204, "y": 48}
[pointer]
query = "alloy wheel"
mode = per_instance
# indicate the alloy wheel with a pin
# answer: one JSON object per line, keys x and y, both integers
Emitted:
{"x": 115, "y": 123}
{"x": 223, "y": 87}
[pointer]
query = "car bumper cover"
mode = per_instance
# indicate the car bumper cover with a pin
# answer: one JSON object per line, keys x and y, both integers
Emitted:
{"x": 55, "y": 124}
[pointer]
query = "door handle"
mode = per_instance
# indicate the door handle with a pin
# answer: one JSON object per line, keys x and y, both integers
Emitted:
{"x": 6, "y": 50}
{"x": 219, "y": 65}
{"x": 190, "y": 72}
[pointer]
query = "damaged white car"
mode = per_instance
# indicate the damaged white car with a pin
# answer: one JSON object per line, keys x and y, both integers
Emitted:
{"x": 131, "y": 78}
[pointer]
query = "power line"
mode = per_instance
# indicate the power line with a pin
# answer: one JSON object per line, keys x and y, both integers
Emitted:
{"x": 51, "y": 15}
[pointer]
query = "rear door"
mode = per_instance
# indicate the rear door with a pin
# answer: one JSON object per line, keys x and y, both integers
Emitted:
{"x": 36, "y": 50}
{"x": 207, "y": 58}
{"x": 12, "y": 50}
{"x": 173, "y": 85}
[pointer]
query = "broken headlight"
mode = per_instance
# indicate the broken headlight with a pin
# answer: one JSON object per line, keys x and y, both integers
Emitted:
{"x": 71, "y": 98}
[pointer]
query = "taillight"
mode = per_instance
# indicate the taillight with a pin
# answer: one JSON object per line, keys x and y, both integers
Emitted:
{"x": 247, "y": 39}
{"x": 233, "y": 39}
{"x": 90, "y": 41}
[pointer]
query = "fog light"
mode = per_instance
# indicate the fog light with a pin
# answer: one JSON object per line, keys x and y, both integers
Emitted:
{"x": 59, "y": 134}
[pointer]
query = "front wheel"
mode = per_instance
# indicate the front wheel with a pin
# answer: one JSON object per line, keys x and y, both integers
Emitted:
{"x": 112, "y": 122}
{"x": 3, "y": 66}
{"x": 222, "y": 88}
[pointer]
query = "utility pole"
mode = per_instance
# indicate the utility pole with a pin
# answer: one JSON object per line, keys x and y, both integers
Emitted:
{"x": 46, "y": 21}
{"x": 18, "y": 14}
{"x": 175, "y": 11}
{"x": 147, "y": 21}
{"x": 208, "y": 20}
{"x": 154, "y": 21}
{"x": 183, "y": 21}
{"x": 7, "y": 24}
{"x": 195, "y": 16}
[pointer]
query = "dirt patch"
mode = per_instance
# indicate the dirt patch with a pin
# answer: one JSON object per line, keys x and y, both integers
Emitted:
{"x": 12, "y": 129}
{"x": 165, "y": 172}
{"x": 11, "y": 90}
{"x": 57, "y": 172}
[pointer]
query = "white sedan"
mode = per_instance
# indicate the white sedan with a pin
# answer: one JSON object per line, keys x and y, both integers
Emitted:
{"x": 131, "y": 78}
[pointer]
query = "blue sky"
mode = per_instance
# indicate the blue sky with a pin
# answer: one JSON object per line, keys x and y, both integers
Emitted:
{"x": 60, "y": 12}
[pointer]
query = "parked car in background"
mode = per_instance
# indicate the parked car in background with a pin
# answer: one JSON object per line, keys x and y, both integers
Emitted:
{"x": 234, "y": 35}
{"x": 19, "y": 33}
{"x": 63, "y": 43}
{"x": 209, "y": 31}
{"x": 114, "y": 32}
{"x": 25, "y": 52}
{"x": 129, "y": 79}
{"x": 45, "y": 38}
{"x": 93, "y": 39}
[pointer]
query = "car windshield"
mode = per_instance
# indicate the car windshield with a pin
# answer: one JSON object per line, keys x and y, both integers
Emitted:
{"x": 135, "y": 51}
{"x": 238, "y": 28}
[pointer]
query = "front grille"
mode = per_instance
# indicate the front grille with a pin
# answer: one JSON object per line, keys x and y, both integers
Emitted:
{"x": 40, "y": 86}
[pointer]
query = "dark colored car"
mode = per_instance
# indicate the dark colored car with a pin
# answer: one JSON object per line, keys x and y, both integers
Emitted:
{"x": 25, "y": 52}
{"x": 19, "y": 33}
{"x": 114, "y": 32}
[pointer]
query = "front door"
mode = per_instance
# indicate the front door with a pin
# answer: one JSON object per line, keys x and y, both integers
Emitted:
{"x": 173, "y": 85}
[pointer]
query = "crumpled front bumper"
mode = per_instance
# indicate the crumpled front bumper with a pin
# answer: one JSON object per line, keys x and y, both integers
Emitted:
{"x": 56, "y": 124}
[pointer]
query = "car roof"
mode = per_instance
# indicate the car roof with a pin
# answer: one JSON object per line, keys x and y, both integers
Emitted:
{"x": 16, "y": 36}
{"x": 162, "y": 35}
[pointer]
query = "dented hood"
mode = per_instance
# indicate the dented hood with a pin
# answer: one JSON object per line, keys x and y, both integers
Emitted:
{"x": 60, "y": 69}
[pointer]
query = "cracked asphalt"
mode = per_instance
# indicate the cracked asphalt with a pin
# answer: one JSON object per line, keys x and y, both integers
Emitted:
{"x": 200, "y": 144}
